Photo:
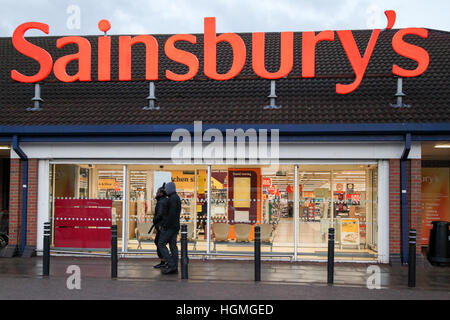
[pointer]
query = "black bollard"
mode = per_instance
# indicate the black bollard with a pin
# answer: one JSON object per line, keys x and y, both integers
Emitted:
{"x": 257, "y": 253}
{"x": 46, "y": 253}
{"x": 184, "y": 253}
{"x": 114, "y": 251}
{"x": 330, "y": 255}
{"x": 412, "y": 259}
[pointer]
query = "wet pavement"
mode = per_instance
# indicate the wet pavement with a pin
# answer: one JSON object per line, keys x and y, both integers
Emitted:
{"x": 429, "y": 278}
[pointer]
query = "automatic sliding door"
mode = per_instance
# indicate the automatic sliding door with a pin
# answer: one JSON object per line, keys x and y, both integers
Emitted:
{"x": 315, "y": 211}
{"x": 343, "y": 197}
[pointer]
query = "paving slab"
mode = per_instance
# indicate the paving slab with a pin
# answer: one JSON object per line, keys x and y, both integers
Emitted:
{"x": 138, "y": 272}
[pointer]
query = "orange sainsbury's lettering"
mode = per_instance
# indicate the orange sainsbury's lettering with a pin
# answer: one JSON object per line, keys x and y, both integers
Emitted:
{"x": 309, "y": 40}
{"x": 181, "y": 56}
{"x": 286, "y": 55}
{"x": 410, "y": 51}
{"x": 359, "y": 64}
{"x": 83, "y": 56}
{"x": 104, "y": 52}
{"x": 151, "y": 56}
{"x": 104, "y": 58}
{"x": 30, "y": 50}
{"x": 210, "y": 51}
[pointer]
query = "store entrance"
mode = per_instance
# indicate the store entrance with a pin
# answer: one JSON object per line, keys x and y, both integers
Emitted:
{"x": 343, "y": 197}
{"x": 4, "y": 196}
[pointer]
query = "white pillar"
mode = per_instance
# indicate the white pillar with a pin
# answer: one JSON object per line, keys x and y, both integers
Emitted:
{"x": 383, "y": 211}
{"x": 43, "y": 212}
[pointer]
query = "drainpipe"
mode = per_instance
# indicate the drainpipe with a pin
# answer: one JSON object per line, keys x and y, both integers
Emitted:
{"x": 404, "y": 197}
{"x": 24, "y": 159}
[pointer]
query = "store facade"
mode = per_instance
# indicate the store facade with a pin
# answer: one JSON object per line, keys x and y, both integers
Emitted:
{"x": 291, "y": 198}
{"x": 101, "y": 149}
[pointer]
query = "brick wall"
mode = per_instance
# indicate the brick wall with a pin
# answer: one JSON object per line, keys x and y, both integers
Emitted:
{"x": 15, "y": 202}
{"x": 394, "y": 209}
{"x": 32, "y": 202}
{"x": 414, "y": 197}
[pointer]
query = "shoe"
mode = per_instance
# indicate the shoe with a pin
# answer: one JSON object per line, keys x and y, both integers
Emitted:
{"x": 162, "y": 264}
{"x": 169, "y": 271}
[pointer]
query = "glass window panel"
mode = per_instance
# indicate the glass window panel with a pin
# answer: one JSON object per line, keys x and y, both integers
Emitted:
{"x": 87, "y": 182}
{"x": 343, "y": 197}
{"x": 144, "y": 180}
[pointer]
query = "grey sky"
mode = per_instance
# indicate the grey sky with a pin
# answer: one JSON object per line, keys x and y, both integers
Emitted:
{"x": 186, "y": 16}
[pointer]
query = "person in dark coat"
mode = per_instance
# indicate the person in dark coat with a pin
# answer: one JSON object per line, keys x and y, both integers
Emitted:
{"x": 160, "y": 212}
{"x": 169, "y": 230}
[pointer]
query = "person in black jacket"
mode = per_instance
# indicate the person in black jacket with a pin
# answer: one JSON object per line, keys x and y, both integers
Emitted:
{"x": 169, "y": 230}
{"x": 160, "y": 212}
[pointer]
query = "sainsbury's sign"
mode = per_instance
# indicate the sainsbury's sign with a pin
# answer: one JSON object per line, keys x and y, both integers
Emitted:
{"x": 211, "y": 39}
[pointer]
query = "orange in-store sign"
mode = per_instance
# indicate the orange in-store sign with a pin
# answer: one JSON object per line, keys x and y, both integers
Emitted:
{"x": 309, "y": 40}
{"x": 267, "y": 182}
{"x": 107, "y": 183}
{"x": 272, "y": 189}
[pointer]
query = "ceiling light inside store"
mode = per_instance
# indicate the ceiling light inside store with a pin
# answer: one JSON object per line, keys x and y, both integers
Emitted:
{"x": 5, "y": 147}
{"x": 442, "y": 146}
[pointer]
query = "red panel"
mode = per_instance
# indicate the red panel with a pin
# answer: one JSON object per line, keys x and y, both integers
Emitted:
{"x": 83, "y": 223}
{"x": 84, "y": 217}
{"x": 83, "y": 238}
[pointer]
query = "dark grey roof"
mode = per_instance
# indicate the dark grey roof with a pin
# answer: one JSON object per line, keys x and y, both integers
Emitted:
{"x": 240, "y": 100}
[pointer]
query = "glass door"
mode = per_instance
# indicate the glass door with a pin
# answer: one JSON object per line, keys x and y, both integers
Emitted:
{"x": 315, "y": 210}
{"x": 343, "y": 197}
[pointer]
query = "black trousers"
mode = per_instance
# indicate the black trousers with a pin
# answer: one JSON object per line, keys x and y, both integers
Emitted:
{"x": 158, "y": 234}
{"x": 169, "y": 236}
